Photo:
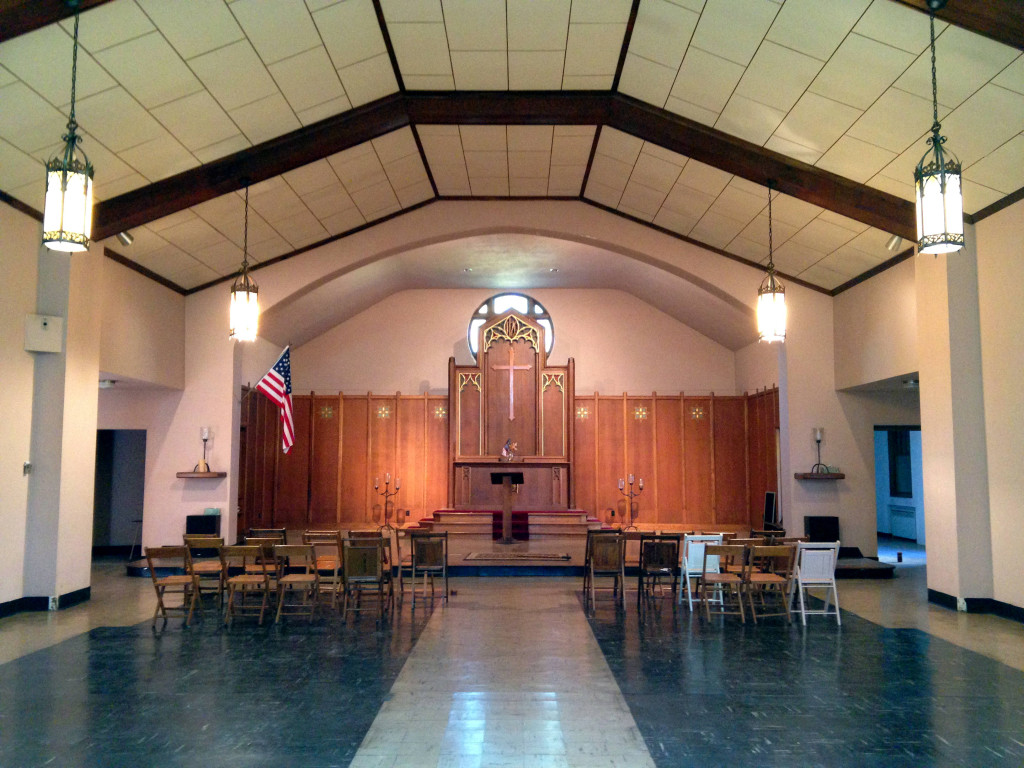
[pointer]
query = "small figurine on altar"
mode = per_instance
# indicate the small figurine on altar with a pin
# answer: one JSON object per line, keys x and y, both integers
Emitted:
{"x": 508, "y": 451}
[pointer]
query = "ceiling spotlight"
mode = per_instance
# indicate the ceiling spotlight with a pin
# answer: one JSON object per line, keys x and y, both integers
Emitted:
{"x": 107, "y": 383}
{"x": 553, "y": 269}
{"x": 125, "y": 238}
{"x": 467, "y": 269}
{"x": 894, "y": 243}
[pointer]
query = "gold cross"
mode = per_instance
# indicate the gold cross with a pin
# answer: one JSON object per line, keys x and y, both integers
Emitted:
{"x": 511, "y": 370}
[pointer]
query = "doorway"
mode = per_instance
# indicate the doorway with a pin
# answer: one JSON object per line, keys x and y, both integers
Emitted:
{"x": 899, "y": 494}
{"x": 119, "y": 488}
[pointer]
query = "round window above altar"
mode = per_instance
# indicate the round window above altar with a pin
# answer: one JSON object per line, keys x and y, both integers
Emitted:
{"x": 503, "y": 302}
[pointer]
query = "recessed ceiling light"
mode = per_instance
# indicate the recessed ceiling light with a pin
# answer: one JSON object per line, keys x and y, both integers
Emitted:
{"x": 468, "y": 269}
{"x": 553, "y": 269}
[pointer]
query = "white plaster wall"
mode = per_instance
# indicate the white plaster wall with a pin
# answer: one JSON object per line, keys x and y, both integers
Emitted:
{"x": 876, "y": 328}
{"x": 21, "y": 238}
{"x": 143, "y": 331}
{"x": 1001, "y": 306}
{"x": 757, "y": 367}
{"x": 620, "y": 344}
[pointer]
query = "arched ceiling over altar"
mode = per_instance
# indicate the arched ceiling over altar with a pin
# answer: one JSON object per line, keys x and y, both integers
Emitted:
{"x": 345, "y": 114}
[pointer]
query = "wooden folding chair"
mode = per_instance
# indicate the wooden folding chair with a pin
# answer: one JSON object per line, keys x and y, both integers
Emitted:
{"x": 204, "y": 551}
{"x": 297, "y": 573}
{"x": 718, "y": 575}
{"x": 327, "y": 545}
{"x": 659, "y": 559}
{"x": 429, "y": 560}
{"x": 607, "y": 557}
{"x": 363, "y": 563}
{"x": 245, "y": 583}
{"x": 769, "y": 577}
{"x": 186, "y": 583}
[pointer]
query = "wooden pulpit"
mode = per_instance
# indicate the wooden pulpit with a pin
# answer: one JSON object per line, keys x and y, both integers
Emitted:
{"x": 506, "y": 480}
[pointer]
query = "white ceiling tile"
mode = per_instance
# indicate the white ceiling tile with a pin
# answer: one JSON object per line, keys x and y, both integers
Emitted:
{"x": 266, "y": 119}
{"x": 208, "y": 24}
{"x": 489, "y": 186}
{"x": 109, "y": 24}
{"x": 483, "y": 137}
{"x": 17, "y": 168}
{"x": 171, "y": 220}
{"x": 428, "y": 129}
{"x": 855, "y": 159}
{"x": 602, "y": 194}
{"x": 655, "y": 172}
{"x": 816, "y": 27}
{"x": 860, "y": 71}
{"x": 31, "y": 195}
{"x": 988, "y": 119}
{"x": 277, "y": 30}
{"x": 593, "y": 49}
{"x": 450, "y": 179}
{"x": 428, "y": 82}
{"x": 747, "y": 249}
{"x": 368, "y": 80}
{"x": 222, "y": 257}
{"x": 749, "y": 120}
{"x": 328, "y": 201}
{"x": 977, "y": 196}
{"x": 475, "y": 25}
{"x": 535, "y": 70}
{"x": 395, "y": 145}
{"x": 964, "y": 62}
{"x": 793, "y": 258}
{"x": 198, "y": 275}
{"x": 421, "y": 49}
{"x": 414, "y": 193}
{"x": 757, "y": 230}
{"x": 106, "y": 189}
{"x": 301, "y": 230}
{"x": 276, "y": 203}
{"x": 896, "y": 25}
{"x": 1013, "y": 76}
{"x": 793, "y": 211}
{"x": 740, "y": 205}
{"x": 688, "y": 202}
{"x": 703, "y": 177}
{"x": 307, "y": 79}
{"x": 691, "y": 111}
{"x": 146, "y": 241}
{"x": 777, "y": 76}
{"x": 486, "y": 164}
{"x": 269, "y": 249}
{"x": 196, "y": 121}
{"x": 842, "y": 221}
{"x": 646, "y": 80}
{"x": 164, "y": 78}
{"x": 619, "y": 145}
{"x": 159, "y": 158}
{"x": 895, "y": 121}
{"x": 27, "y": 121}
{"x": 519, "y": 186}
{"x": 6, "y": 77}
{"x": 325, "y": 110}
{"x": 565, "y": 179}
{"x": 223, "y": 212}
{"x": 42, "y": 58}
{"x": 642, "y": 200}
{"x": 706, "y": 80}
{"x": 610, "y": 173}
{"x": 222, "y": 148}
{"x": 822, "y": 235}
{"x": 536, "y": 138}
{"x": 111, "y": 166}
{"x": 360, "y": 172}
{"x": 600, "y": 11}
{"x": 791, "y": 149}
{"x": 537, "y": 25}
{"x": 530, "y": 164}
{"x": 1002, "y": 169}
{"x": 168, "y": 260}
{"x": 716, "y": 230}
{"x": 351, "y": 32}
{"x": 817, "y": 122}
{"x": 309, "y": 178}
{"x": 344, "y": 221}
{"x": 661, "y": 153}
{"x": 851, "y": 261}
{"x": 733, "y": 29}
{"x": 587, "y": 82}
{"x": 480, "y": 70}
{"x": 406, "y": 171}
{"x": 411, "y": 10}
{"x": 234, "y": 74}
{"x": 676, "y": 222}
{"x": 570, "y": 150}
{"x": 661, "y": 32}
{"x": 117, "y": 120}
{"x": 820, "y": 275}
{"x": 191, "y": 235}
{"x": 636, "y": 213}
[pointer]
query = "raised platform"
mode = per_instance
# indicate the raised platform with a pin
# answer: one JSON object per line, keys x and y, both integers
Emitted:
{"x": 528, "y": 524}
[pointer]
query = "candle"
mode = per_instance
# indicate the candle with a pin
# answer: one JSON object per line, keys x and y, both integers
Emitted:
{"x": 398, "y": 483}
{"x": 621, "y": 484}
{"x": 641, "y": 483}
{"x": 376, "y": 483}
{"x": 387, "y": 478}
{"x": 630, "y": 479}
{"x": 819, "y": 434}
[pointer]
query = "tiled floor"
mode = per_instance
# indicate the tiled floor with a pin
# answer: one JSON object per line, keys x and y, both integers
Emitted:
{"x": 513, "y": 673}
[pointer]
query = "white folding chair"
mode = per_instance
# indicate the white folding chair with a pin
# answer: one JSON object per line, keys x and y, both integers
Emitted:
{"x": 693, "y": 563}
{"x": 816, "y": 567}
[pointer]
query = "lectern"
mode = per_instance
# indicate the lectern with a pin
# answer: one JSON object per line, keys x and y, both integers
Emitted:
{"x": 506, "y": 480}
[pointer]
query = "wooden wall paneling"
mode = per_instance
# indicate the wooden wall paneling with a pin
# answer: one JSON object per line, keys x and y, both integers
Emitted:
{"x": 291, "y": 499}
{"x": 437, "y": 467}
{"x": 698, "y": 464}
{"x": 668, "y": 459}
{"x": 270, "y": 447}
{"x": 570, "y": 428}
{"x": 497, "y": 426}
{"x": 410, "y": 456}
{"x": 354, "y": 471}
{"x": 755, "y": 455}
{"x": 640, "y": 454}
{"x": 611, "y": 441}
{"x": 730, "y": 460}
{"x": 247, "y": 437}
{"x": 471, "y": 413}
{"x": 381, "y": 450}
{"x": 341, "y": 452}
{"x": 553, "y": 414}
{"x": 323, "y": 463}
{"x": 584, "y": 420}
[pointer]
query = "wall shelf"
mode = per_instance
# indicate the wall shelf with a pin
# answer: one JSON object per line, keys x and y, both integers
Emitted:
{"x": 201, "y": 474}
{"x": 819, "y": 476}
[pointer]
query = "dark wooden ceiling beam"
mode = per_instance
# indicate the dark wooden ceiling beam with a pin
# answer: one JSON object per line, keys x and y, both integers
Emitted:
{"x": 20, "y": 16}
{"x": 507, "y": 107}
{"x": 999, "y": 20}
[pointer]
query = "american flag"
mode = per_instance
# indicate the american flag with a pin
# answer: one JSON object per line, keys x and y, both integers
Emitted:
{"x": 277, "y": 385}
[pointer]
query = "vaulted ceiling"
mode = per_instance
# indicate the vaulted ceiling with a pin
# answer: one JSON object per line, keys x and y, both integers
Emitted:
{"x": 342, "y": 114}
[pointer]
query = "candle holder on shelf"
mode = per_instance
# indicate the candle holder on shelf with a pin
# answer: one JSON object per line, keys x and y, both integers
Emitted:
{"x": 388, "y": 495}
{"x": 204, "y": 435}
{"x": 630, "y": 495}
{"x": 819, "y": 468}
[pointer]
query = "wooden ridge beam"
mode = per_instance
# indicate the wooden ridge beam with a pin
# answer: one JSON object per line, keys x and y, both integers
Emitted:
{"x": 999, "y": 20}
{"x": 20, "y": 16}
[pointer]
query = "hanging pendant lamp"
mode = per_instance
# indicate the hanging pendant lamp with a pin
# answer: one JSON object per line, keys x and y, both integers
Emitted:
{"x": 67, "y": 211}
{"x": 940, "y": 205}
{"x": 245, "y": 305}
{"x": 771, "y": 296}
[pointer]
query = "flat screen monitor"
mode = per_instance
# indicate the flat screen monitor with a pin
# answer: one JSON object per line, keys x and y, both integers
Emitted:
{"x": 769, "y": 508}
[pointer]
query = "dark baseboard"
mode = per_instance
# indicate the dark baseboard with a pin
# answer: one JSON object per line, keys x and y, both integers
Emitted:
{"x": 116, "y": 551}
{"x": 979, "y": 605}
{"x": 27, "y": 604}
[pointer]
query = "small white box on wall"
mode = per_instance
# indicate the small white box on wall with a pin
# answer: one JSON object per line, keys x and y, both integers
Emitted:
{"x": 44, "y": 333}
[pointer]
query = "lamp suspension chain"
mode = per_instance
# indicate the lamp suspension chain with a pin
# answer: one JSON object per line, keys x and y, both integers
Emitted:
{"x": 245, "y": 232}
{"x": 771, "y": 264}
